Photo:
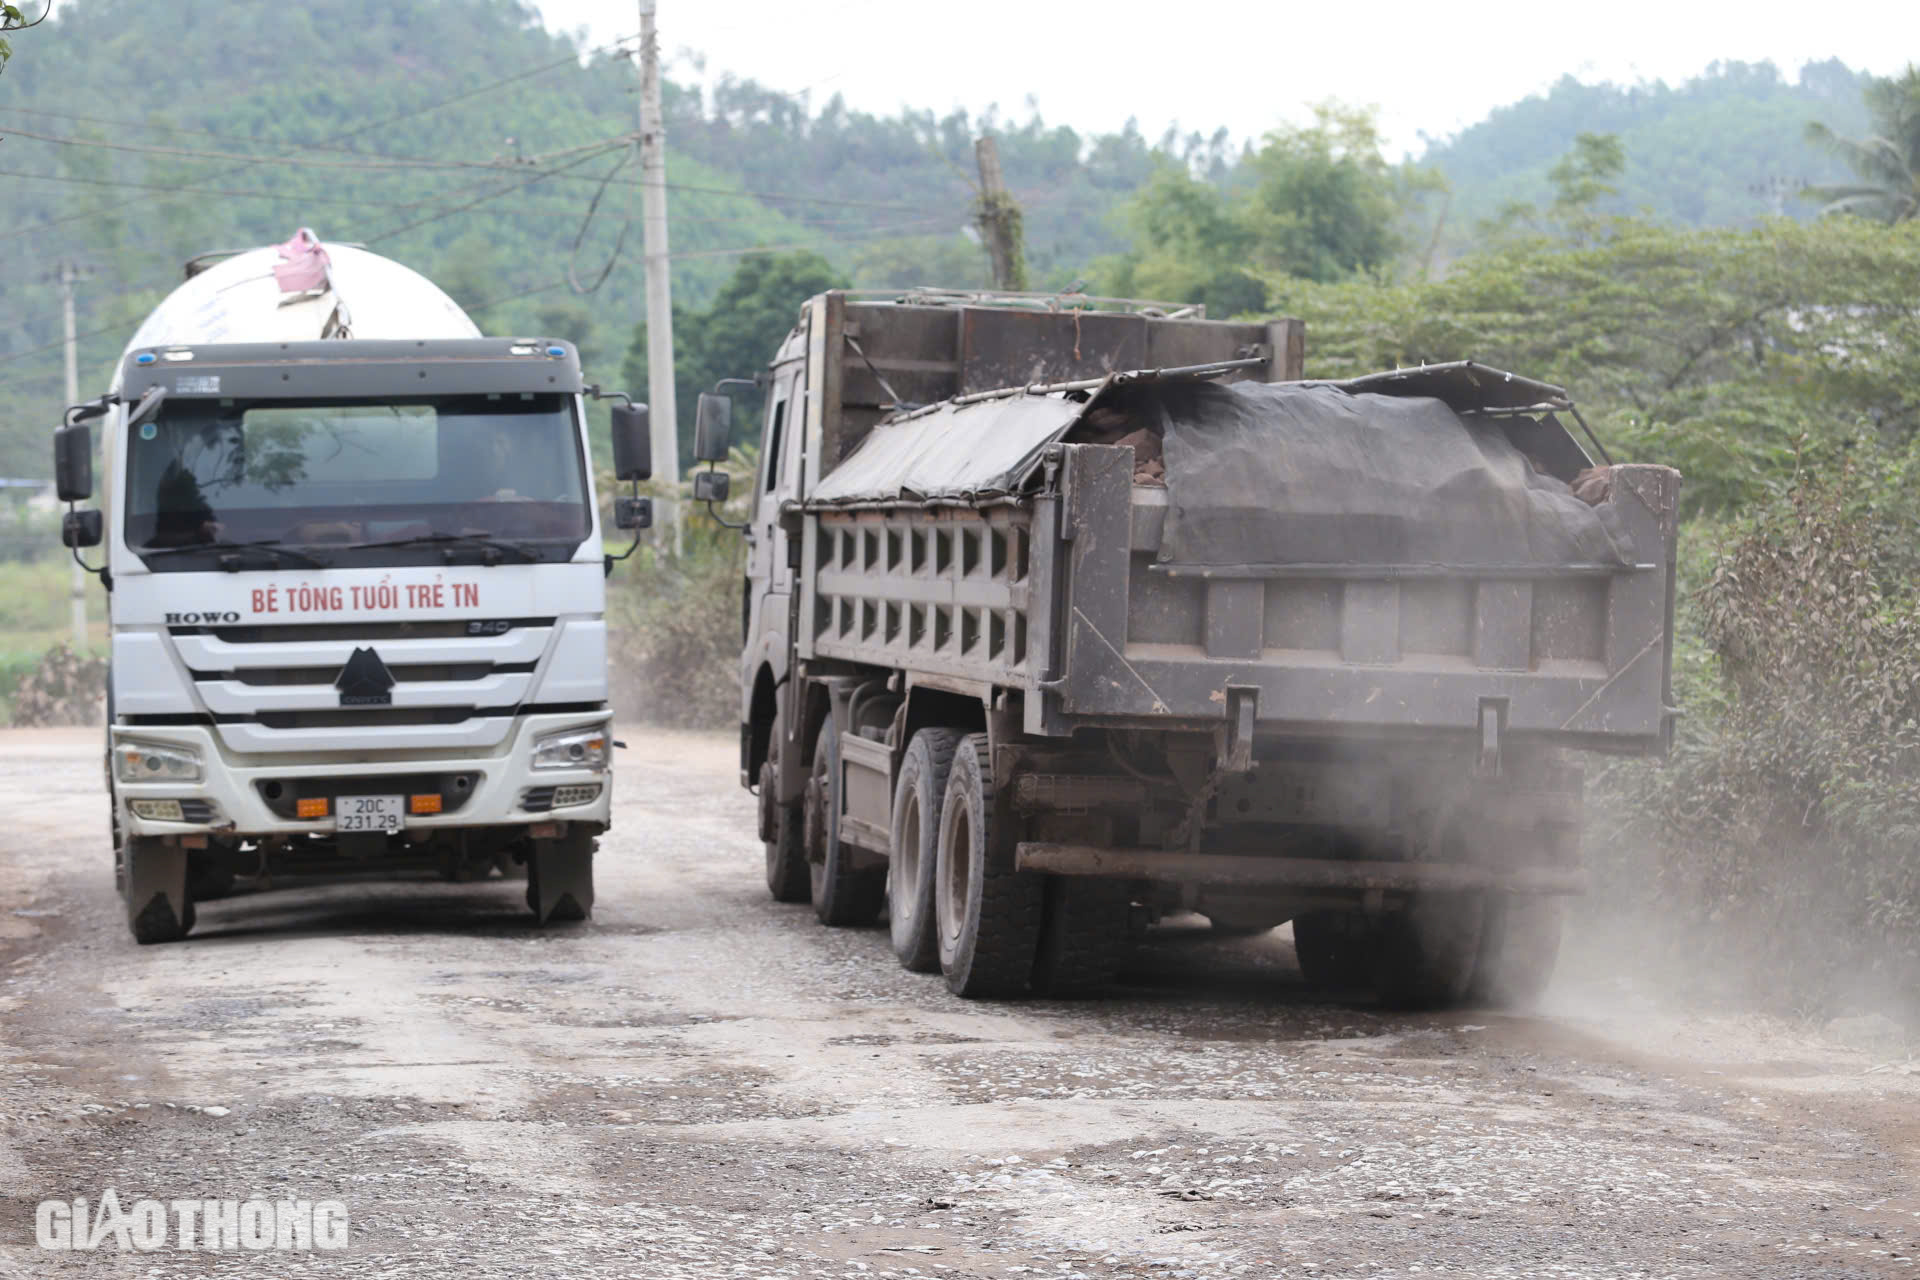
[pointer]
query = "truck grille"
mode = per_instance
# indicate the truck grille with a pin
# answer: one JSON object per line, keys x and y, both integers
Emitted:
{"x": 275, "y": 687}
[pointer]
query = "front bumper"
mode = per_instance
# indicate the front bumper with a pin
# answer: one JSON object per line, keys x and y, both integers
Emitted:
{"x": 230, "y": 802}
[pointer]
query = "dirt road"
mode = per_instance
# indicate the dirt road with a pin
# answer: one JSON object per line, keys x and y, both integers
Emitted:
{"x": 702, "y": 1083}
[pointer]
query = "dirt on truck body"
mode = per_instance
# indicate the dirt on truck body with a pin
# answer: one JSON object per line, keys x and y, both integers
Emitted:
{"x": 1060, "y": 619}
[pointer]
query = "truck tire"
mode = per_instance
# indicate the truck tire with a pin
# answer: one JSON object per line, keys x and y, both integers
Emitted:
{"x": 1518, "y": 944}
{"x": 1335, "y": 950}
{"x": 1425, "y": 955}
{"x": 1084, "y": 937}
{"x": 917, "y": 798}
{"x": 782, "y": 829}
{"x": 159, "y": 909}
{"x": 988, "y": 914}
{"x": 560, "y": 878}
{"x": 843, "y": 894}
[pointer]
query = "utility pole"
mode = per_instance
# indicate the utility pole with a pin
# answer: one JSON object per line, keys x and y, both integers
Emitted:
{"x": 653, "y": 223}
{"x": 999, "y": 219}
{"x": 69, "y": 275}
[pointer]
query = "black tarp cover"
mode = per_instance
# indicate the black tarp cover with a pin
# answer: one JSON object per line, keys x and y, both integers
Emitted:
{"x": 1273, "y": 474}
{"x": 1310, "y": 473}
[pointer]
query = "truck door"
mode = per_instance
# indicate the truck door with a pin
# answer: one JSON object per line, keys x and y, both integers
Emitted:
{"x": 769, "y": 580}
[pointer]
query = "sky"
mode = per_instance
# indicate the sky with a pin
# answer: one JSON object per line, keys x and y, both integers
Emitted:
{"x": 1250, "y": 66}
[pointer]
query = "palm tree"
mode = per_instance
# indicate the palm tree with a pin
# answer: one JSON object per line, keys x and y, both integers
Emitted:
{"x": 1887, "y": 160}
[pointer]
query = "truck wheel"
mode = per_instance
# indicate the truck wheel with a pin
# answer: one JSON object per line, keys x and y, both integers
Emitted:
{"x": 988, "y": 913}
{"x": 1335, "y": 950}
{"x": 159, "y": 909}
{"x": 1084, "y": 936}
{"x": 560, "y": 878}
{"x": 1426, "y": 952}
{"x": 782, "y": 829}
{"x": 1518, "y": 945}
{"x": 915, "y": 838}
{"x": 843, "y": 894}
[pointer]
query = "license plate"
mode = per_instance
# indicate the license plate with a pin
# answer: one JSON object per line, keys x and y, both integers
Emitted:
{"x": 368, "y": 813}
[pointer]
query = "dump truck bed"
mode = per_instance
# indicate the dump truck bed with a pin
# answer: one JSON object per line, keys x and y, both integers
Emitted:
{"x": 982, "y": 540}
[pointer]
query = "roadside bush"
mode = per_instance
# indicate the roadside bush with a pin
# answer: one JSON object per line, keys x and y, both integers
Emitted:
{"x": 1784, "y": 830}
{"x": 674, "y": 621}
{"x": 674, "y": 639}
{"x": 62, "y": 688}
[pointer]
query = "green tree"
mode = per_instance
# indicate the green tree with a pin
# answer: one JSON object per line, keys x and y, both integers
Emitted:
{"x": 1733, "y": 355}
{"x": 737, "y": 335}
{"x": 1315, "y": 202}
{"x": 1190, "y": 246}
{"x": 1887, "y": 160}
{"x": 1325, "y": 203}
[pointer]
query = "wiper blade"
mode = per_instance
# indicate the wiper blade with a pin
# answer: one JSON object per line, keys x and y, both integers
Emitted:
{"x": 271, "y": 546}
{"x": 480, "y": 540}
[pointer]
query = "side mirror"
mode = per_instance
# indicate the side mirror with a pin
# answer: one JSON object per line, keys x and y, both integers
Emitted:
{"x": 711, "y": 486}
{"x": 632, "y": 443}
{"x": 712, "y": 424}
{"x": 632, "y": 513}
{"x": 81, "y": 529}
{"x": 73, "y": 463}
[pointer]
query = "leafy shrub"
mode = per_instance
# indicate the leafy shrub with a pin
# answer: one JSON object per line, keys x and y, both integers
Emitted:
{"x": 1786, "y": 823}
{"x": 674, "y": 620}
{"x": 63, "y": 688}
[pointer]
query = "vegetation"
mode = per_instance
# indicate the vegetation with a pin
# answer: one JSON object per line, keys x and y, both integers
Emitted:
{"x": 735, "y": 336}
{"x": 1720, "y": 150}
{"x": 1784, "y": 825}
{"x": 12, "y": 19}
{"x": 1886, "y": 162}
{"x": 1313, "y": 203}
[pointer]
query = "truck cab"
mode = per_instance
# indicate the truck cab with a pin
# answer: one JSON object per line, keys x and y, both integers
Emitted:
{"x": 356, "y": 596}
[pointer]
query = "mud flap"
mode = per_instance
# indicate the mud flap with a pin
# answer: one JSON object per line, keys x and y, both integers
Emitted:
{"x": 158, "y": 907}
{"x": 560, "y": 878}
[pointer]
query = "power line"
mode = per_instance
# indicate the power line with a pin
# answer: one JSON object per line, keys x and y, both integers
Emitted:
{"x": 462, "y": 208}
{"x": 361, "y": 202}
{"x": 409, "y": 163}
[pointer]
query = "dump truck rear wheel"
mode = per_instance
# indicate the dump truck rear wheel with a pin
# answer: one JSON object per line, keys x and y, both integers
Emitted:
{"x": 917, "y": 798}
{"x": 159, "y": 908}
{"x": 1084, "y": 937}
{"x": 1334, "y": 949}
{"x": 1519, "y": 942}
{"x": 560, "y": 878}
{"x": 843, "y": 894}
{"x": 1426, "y": 952}
{"x": 782, "y": 830}
{"x": 988, "y": 913}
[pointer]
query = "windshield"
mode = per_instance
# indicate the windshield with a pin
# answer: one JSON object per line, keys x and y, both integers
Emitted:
{"x": 332, "y": 476}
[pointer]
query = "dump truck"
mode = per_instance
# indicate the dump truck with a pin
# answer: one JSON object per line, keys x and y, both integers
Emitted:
{"x": 355, "y": 588}
{"x": 1064, "y": 616}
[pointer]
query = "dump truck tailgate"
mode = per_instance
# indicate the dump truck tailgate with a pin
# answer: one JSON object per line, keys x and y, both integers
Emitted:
{"x": 1580, "y": 655}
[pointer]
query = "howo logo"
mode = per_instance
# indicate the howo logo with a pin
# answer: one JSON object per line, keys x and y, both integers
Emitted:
{"x": 209, "y": 619}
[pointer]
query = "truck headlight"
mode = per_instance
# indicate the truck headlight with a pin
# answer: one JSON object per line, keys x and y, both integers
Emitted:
{"x": 574, "y": 749}
{"x": 152, "y": 762}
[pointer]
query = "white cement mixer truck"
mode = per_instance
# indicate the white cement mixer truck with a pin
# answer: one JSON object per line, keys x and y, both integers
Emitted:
{"x": 355, "y": 580}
